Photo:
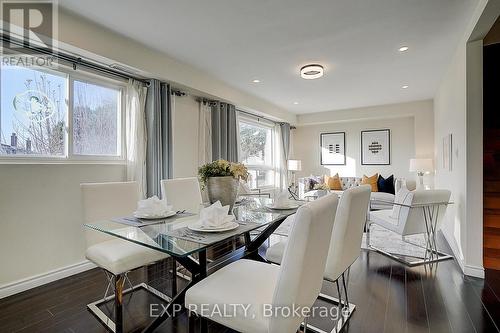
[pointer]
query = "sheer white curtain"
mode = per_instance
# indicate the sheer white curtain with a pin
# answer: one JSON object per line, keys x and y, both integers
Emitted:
{"x": 135, "y": 127}
{"x": 204, "y": 133}
{"x": 280, "y": 160}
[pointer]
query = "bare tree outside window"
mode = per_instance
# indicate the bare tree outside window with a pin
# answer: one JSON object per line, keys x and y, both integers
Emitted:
{"x": 253, "y": 141}
{"x": 95, "y": 119}
{"x": 33, "y": 112}
{"x": 257, "y": 153}
{"x": 35, "y": 107}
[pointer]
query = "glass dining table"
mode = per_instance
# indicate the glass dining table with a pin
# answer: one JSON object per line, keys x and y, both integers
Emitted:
{"x": 174, "y": 237}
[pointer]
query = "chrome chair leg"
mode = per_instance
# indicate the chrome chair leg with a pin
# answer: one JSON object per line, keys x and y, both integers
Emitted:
{"x": 368, "y": 225}
{"x": 109, "y": 277}
{"x": 346, "y": 296}
{"x": 430, "y": 214}
{"x": 128, "y": 281}
{"x": 339, "y": 306}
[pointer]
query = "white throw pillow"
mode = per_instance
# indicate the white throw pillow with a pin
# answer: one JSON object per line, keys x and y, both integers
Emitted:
{"x": 402, "y": 197}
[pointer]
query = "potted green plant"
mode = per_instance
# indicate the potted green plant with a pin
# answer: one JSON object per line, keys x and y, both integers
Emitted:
{"x": 221, "y": 179}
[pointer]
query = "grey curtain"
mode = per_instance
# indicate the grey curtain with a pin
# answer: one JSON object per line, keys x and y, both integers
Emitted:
{"x": 285, "y": 139}
{"x": 159, "y": 135}
{"x": 284, "y": 132}
{"x": 224, "y": 132}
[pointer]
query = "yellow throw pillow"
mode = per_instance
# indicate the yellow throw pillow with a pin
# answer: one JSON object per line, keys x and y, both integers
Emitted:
{"x": 333, "y": 183}
{"x": 372, "y": 181}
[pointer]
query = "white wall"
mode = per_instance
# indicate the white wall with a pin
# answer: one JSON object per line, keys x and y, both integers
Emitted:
{"x": 41, "y": 216}
{"x": 412, "y": 134}
{"x": 458, "y": 110}
{"x": 449, "y": 111}
{"x": 306, "y": 147}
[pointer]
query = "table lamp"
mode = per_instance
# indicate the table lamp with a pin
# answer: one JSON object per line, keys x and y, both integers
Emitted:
{"x": 421, "y": 166}
{"x": 293, "y": 167}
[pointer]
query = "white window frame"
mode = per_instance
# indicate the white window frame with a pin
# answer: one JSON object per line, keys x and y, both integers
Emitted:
{"x": 68, "y": 157}
{"x": 267, "y": 124}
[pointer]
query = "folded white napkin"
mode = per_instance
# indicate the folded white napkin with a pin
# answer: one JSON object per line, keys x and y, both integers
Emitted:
{"x": 214, "y": 216}
{"x": 152, "y": 207}
{"x": 281, "y": 199}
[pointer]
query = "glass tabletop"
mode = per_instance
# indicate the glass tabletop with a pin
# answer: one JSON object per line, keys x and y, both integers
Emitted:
{"x": 172, "y": 236}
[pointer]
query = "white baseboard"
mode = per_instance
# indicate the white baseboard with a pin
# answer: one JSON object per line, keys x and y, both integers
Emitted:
{"x": 44, "y": 278}
{"x": 474, "y": 271}
{"x": 469, "y": 270}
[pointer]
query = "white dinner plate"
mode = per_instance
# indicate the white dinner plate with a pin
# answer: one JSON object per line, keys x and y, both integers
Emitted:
{"x": 229, "y": 225}
{"x": 283, "y": 207}
{"x": 153, "y": 216}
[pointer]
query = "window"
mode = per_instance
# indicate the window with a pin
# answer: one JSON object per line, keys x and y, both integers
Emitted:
{"x": 96, "y": 119}
{"x": 59, "y": 114}
{"x": 33, "y": 117}
{"x": 257, "y": 151}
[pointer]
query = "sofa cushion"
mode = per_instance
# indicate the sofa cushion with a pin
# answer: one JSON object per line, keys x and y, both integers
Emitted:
{"x": 333, "y": 182}
{"x": 312, "y": 181}
{"x": 386, "y": 184}
{"x": 372, "y": 181}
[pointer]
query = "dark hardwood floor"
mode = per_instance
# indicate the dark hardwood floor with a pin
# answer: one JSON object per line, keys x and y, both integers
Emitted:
{"x": 390, "y": 297}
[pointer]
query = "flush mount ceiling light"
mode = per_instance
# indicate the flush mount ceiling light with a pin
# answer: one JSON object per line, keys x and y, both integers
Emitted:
{"x": 405, "y": 87}
{"x": 295, "y": 103}
{"x": 311, "y": 72}
{"x": 256, "y": 81}
{"x": 403, "y": 48}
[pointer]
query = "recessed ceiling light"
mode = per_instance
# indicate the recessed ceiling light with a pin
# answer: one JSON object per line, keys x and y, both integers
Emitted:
{"x": 403, "y": 48}
{"x": 405, "y": 87}
{"x": 256, "y": 81}
{"x": 311, "y": 72}
{"x": 296, "y": 103}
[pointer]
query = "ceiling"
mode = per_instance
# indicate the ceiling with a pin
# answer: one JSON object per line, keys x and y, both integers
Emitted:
{"x": 357, "y": 42}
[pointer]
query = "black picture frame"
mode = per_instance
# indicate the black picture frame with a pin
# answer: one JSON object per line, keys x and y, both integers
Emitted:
{"x": 321, "y": 137}
{"x": 386, "y": 130}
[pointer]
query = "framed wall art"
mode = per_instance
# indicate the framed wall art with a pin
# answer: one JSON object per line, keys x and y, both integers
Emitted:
{"x": 332, "y": 147}
{"x": 376, "y": 147}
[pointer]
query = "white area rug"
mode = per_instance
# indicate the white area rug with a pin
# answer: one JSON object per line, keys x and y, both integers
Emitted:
{"x": 381, "y": 238}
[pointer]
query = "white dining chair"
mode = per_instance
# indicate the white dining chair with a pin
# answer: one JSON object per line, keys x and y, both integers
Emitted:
{"x": 182, "y": 194}
{"x": 345, "y": 248}
{"x": 117, "y": 257}
{"x": 296, "y": 282}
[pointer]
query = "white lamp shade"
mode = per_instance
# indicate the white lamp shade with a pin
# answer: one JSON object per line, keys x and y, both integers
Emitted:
{"x": 294, "y": 165}
{"x": 421, "y": 165}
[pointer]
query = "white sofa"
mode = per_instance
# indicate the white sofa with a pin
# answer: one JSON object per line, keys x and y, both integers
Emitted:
{"x": 378, "y": 200}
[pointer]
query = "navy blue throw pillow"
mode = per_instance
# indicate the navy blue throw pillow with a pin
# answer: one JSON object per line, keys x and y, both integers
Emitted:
{"x": 386, "y": 184}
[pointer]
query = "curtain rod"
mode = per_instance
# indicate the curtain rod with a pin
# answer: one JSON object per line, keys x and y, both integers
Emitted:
{"x": 211, "y": 101}
{"x": 76, "y": 61}
{"x": 257, "y": 116}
